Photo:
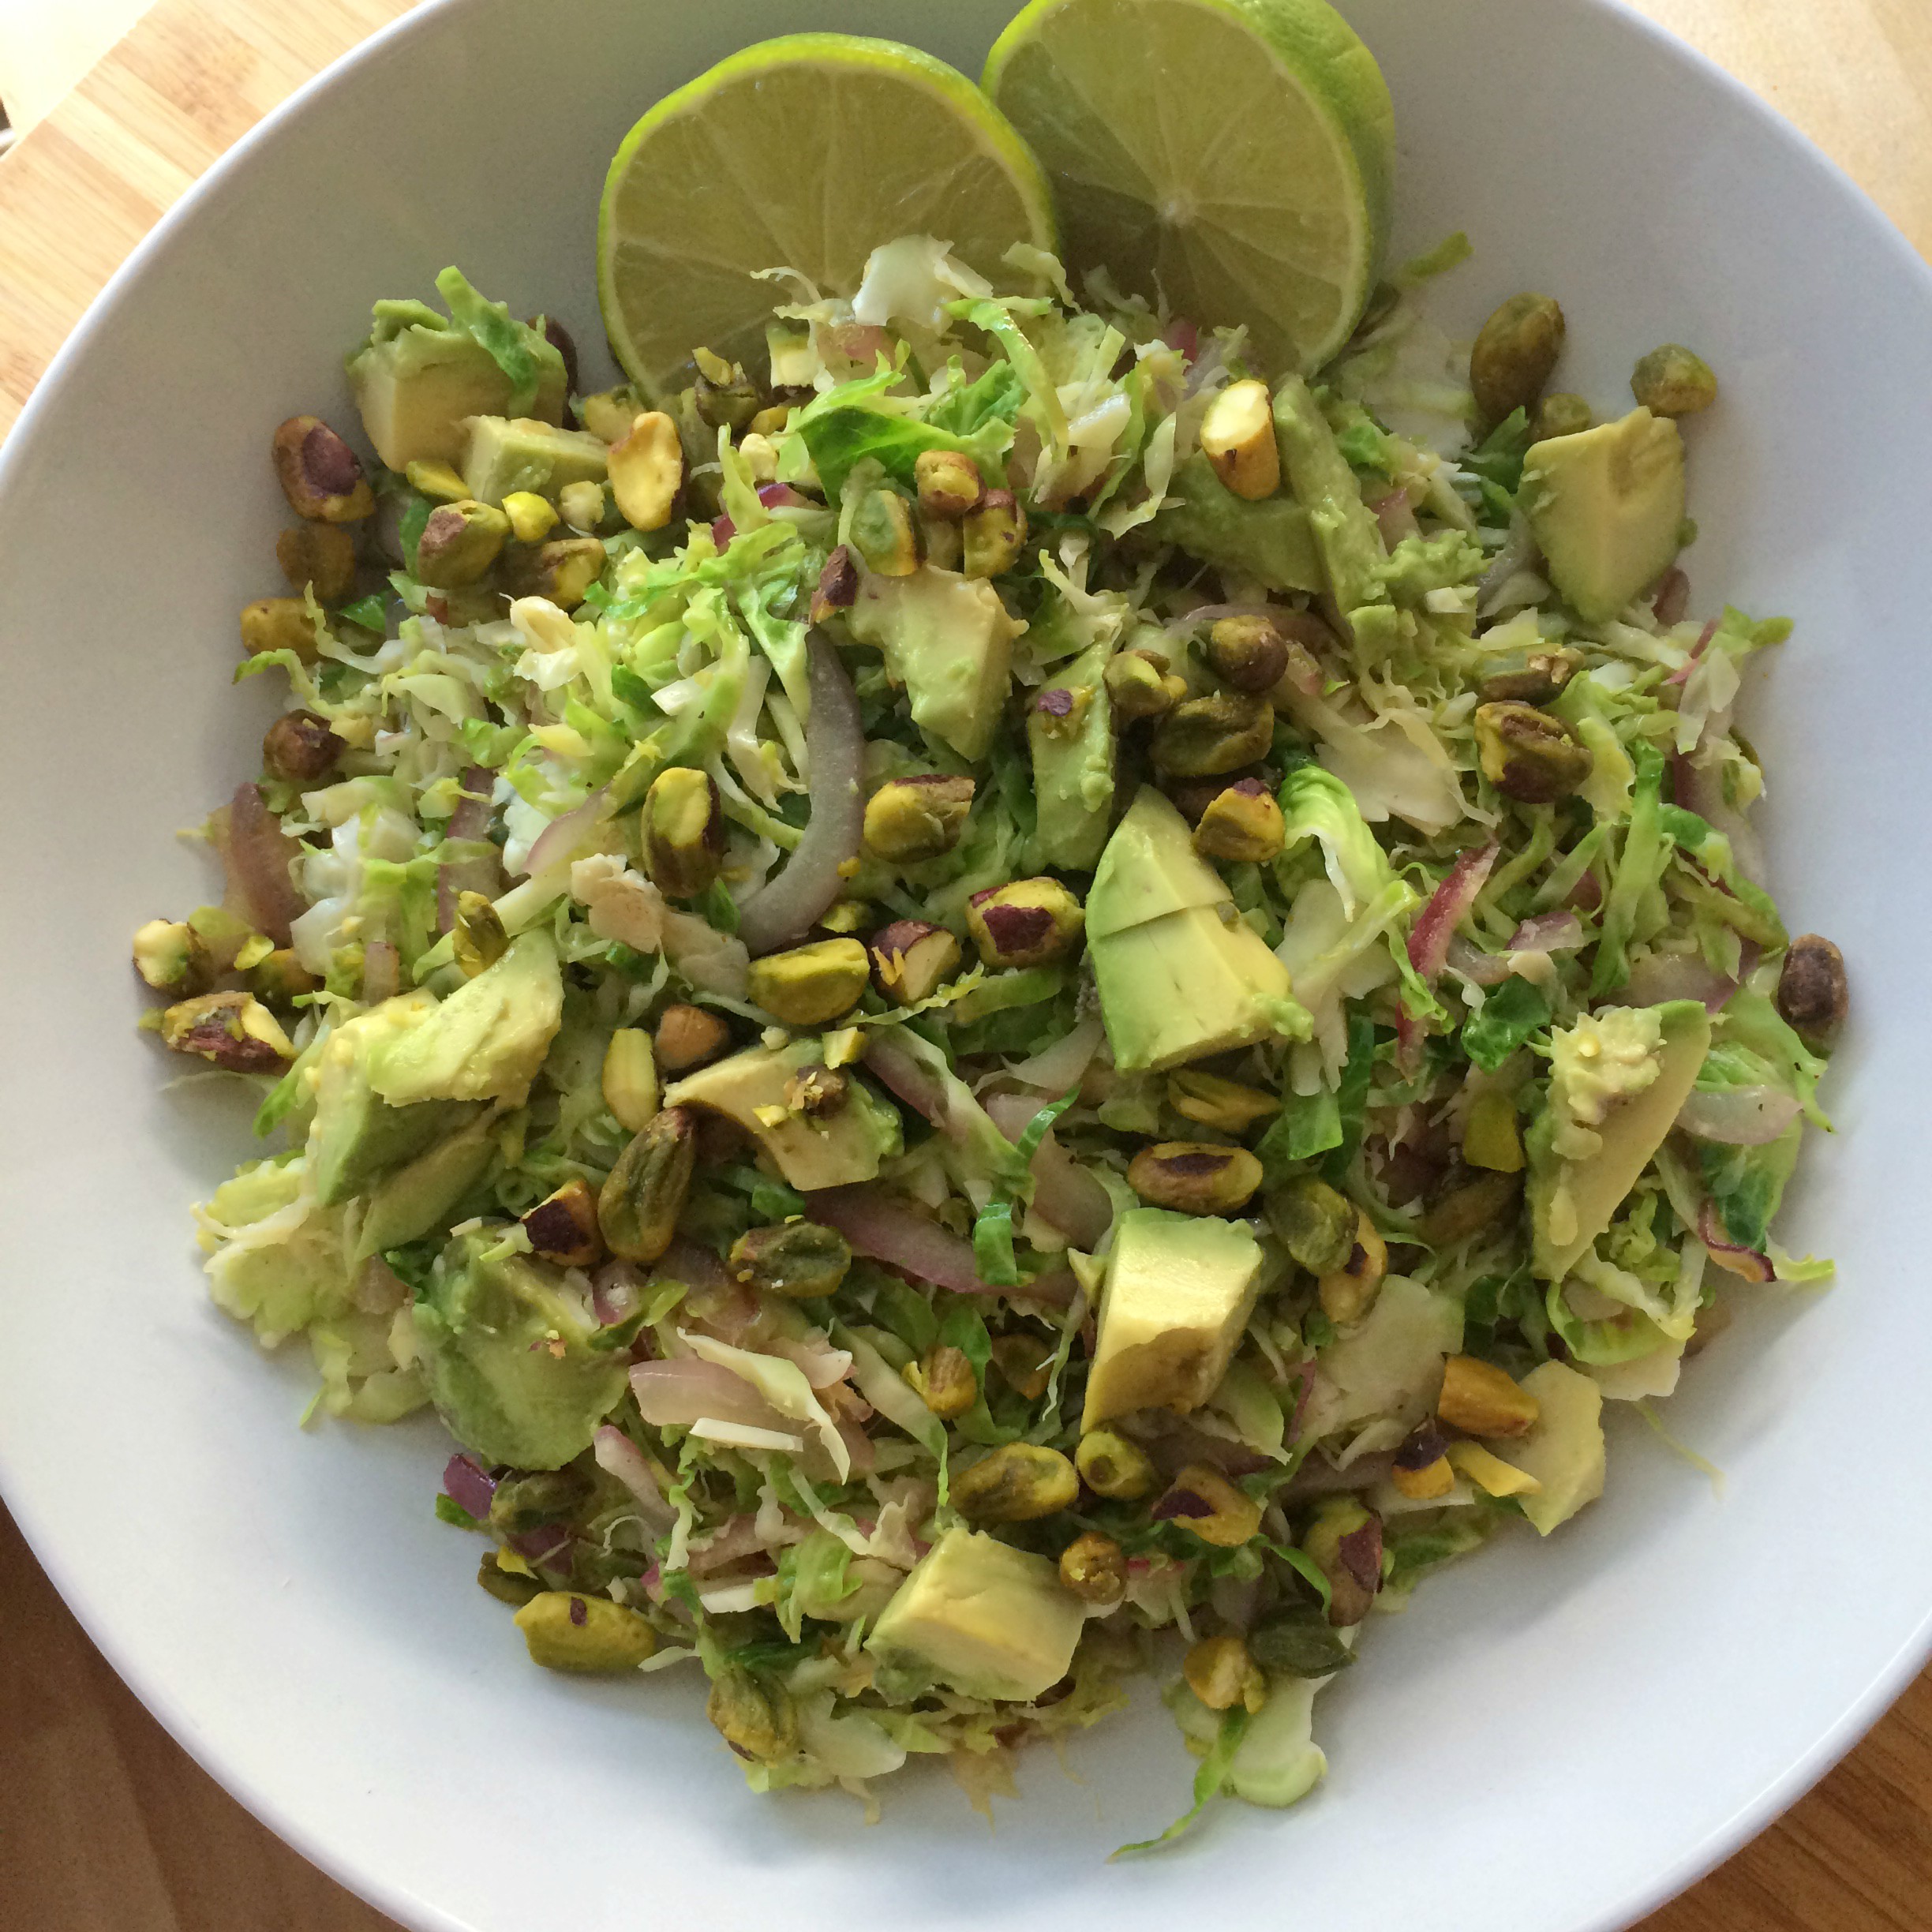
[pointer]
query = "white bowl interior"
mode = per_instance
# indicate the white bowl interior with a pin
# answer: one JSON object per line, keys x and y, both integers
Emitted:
{"x": 1564, "y": 1733}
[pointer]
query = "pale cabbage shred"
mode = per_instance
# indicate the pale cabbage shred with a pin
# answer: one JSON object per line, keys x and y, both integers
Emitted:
{"x": 1095, "y": 422}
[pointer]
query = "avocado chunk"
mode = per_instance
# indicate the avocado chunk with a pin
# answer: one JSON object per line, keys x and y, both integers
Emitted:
{"x": 1070, "y": 732}
{"x": 509, "y": 1355}
{"x": 758, "y": 1089}
{"x": 1618, "y": 1078}
{"x": 1347, "y": 536}
{"x": 1564, "y": 1449}
{"x": 983, "y": 1618}
{"x": 1269, "y": 541}
{"x": 1176, "y": 1297}
{"x": 486, "y": 1041}
{"x": 419, "y": 375}
{"x": 502, "y": 454}
{"x": 1607, "y": 507}
{"x": 1180, "y": 975}
{"x": 356, "y": 1136}
{"x": 1389, "y": 1366}
{"x": 418, "y": 1200}
{"x": 948, "y": 639}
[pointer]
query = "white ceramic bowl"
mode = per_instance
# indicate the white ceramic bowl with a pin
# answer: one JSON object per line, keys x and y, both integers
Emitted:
{"x": 1554, "y": 1737}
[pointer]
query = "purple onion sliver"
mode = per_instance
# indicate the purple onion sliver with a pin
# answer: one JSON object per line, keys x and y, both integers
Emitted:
{"x": 468, "y": 1484}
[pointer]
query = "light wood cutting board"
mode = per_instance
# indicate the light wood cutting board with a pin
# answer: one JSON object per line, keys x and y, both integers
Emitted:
{"x": 105, "y": 1824}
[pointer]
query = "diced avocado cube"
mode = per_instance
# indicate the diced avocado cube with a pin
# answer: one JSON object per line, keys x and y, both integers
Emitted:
{"x": 1269, "y": 541}
{"x": 486, "y": 1041}
{"x": 418, "y": 389}
{"x": 1070, "y": 732}
{"x": 828, "y": 1150}
{"x": 504, "y": 454}
{"x": 1181, "y": 975}
{"x": 1177, "y": 1295}
{"x": 416, "y": 1200}
{"x": 1347, "y": 537}
{"x": 947, "y": 640}
{"x": 983, "y": 1618}
{"x": 1564, "y": 1450}
{"x": 1571, "y": 1200}
{"x": 1607, "y": 508}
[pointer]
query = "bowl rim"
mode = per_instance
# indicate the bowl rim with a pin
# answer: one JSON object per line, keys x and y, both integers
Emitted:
{"x": 1754, "y": 1814}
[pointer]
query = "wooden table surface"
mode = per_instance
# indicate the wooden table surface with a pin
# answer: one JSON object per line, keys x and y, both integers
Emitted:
{"x": 105, "y": 1826}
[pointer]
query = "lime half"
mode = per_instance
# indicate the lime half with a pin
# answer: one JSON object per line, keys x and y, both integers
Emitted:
{"x": 805, "y": 152}
{"x": 1234, "y": 156}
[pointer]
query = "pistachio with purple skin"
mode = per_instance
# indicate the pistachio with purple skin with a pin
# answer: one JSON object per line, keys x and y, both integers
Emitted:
{"x": 300, "y": 749}
{"x": 838, "y": 586}
{"x": 233, "y": 1030}
{"x": 320, "y": 475}
{"x": 1202, "y": 1501}
{"x": 563, "y": 1226}
{"x": 908, "y": 820}
{"x": 1060, "y": 710}
{"x": 1030, "y": 923}
{"x": 911, "y": 960}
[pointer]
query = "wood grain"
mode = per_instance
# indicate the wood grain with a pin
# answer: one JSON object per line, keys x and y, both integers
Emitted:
{"x": 105, "y": 1824}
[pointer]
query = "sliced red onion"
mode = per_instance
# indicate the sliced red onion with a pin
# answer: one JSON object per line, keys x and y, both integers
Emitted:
{"x": 783, "y": 911}
{"x": 885, "y": 1227}
{"x": 1701, "y": 791}
{"x": 739, "y": 1539}
{"x": 1397, "y": 518}
{"x": 615, "y": 1289}
{"x": 822, "y": 1365}
{"x": 257, "y": 853}
{"x": 949, "y": 1107}
{"x": 1182, "y": 336}
{"x": 1065, "y": 1193}
{"x": 469, "y": 1484}
{"x": 545, "y": 1548}
{"x": 1318, "y": 1477}
{"x": 382, "y": 972}
{"x": 1746, "y": 1262}
{"x": 863, "y": 341}
{"x": 676, "y": 1393}
{"x": 1660, "y": 977}
{"x": 1486, "y": 969}
{"x": 1561, "y": 931}
{"x": 562, "y": 837}
{"x": 1683, "y": 674}
{"x": 688, "y": 1262}
{"x": 1054, "y": 1069}
{"x": 722, "y": 530}
{"x": 1448, "y": 906}
{"x": 783, "y": 496}
{"x": 469, "y": 824}
{"x": 1673, "y": 597}
{"x": 618, "y": 1456}
{"x": 1738, "y": 1116}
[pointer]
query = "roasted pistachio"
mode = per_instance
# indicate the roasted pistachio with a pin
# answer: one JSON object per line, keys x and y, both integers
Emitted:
{"x": 1220, "y": 1672}
{"x": 1242, "y": 824}
{"x": 1026, "y": 1361}
{"x": 1299, "y": 1642}
{"x": 995, "y": 533}
{"x": 1030, "y": 923}
{"x": 1237, "y": 438}
{"x": 233, "y": 1030}
{"x": 299, "y": 748}
{"x": 638, "y": 1207}
{"x": 1203, "y": 737}
{"x": 1529, "y": 754}
{"x": 1227, "y": 1105}
{"x": 1531, "y": 677}
{"x": 629, "y": 1080}
{"x": 320, "y": 475}
{"x": 683, "y": 825}
{"x": 1094, "y": 1567}
{"x": 726, "y": 398}
{"x": 1248, "y": 653}
{"x": 886, "y": 533}
{"x": 540, "y": 1497}
{"x": 1060, "y": 709}
{"x": 459, "y": 543}
{"x": 172, "y": 957}
{"x": 944, "y": 1380}
{"x": 1140, "y": 686}
{"x": 1347, "y": 1292}
{"x": 562, "y": 570}
{"x": 1560, "y": 414}
{"x": 756, "y": 1719}
{"x": 1420, "y": 1469}
{"x": 911, "y": 961}
{"x": 949, "y": 483}
{"x": 563, "y": 1226}
{"x": 320, "y": 557}
{"x": 477, "y": 938}
{"x": 1195, "y": 1177}
{"x": 1315, "y": 1222}
{"x": 567, "y": 1631}
{"x": 810, "y": 985}
{"x": 279, "y": 624}
{"x": 1811, "y": 992}
{"x": 583, "y": 505}
{"x": 1017, "y": 1482}
{"x": 1480, "y": 1399}
{"x": 908, "y": 820}
{"x": 1202, "y": 1501}
{"x": 1515, "y": 354}
{"x": 687, "y": 1037}
{"x": 506, "y": 1586}
{"x": 1111, "y": 1466}
{"x": 1345, "y": 1543}
{"x": 1673, "y": 381}
{"x": 609, "y": 414}
{"x": 802, "y": 1260}
{"x": 646, "y": 470}
{"x": 1485, "y": 1202}
{"x": 817, "y": 1092}
{"x": 278, "y": 978}
{"x": 838, "y": 586}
